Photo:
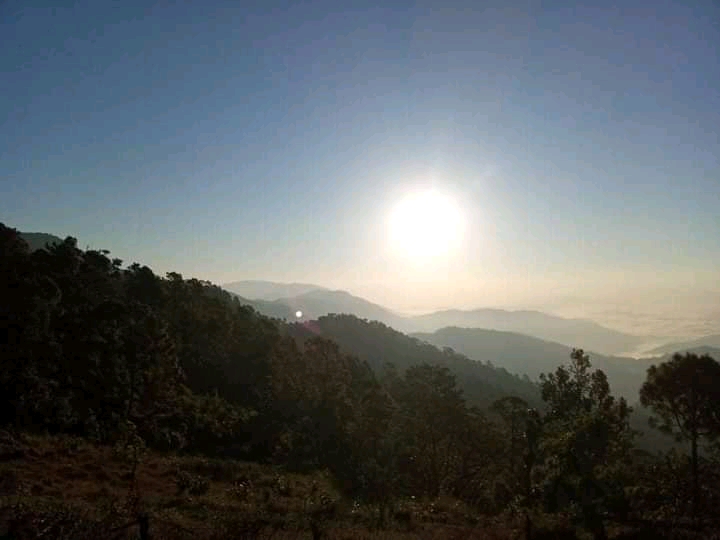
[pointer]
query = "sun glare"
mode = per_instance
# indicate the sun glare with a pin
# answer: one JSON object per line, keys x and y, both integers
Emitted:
{"x": 425, "y": 225}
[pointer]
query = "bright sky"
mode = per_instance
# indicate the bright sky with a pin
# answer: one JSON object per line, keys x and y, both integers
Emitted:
{"x": 235, "y": 140}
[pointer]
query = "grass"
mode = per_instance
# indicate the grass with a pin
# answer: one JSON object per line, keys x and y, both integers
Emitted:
{"x": 73, "y": 489}
{"x": 65, "y": 488}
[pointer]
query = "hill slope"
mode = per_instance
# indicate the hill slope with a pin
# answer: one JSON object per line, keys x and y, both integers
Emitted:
{"x": 378, "y": 345}
{"x": 314, "y": 304}
{"x": 317, "y": 303}
{"x": 712, "y": 341}
{"x": 531, "y": 356}
{"x": 573, "y": 332}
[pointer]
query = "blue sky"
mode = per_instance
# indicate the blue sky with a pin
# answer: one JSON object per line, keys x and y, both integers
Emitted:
{"x": 233, "y": 140}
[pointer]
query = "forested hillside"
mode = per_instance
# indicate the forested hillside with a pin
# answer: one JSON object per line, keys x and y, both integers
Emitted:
{"x": 381, "y": 346}
{"x": 523, "y": 354}
{"x": 421, "y": 439}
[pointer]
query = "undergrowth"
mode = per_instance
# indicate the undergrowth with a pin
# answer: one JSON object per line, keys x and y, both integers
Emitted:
{"x": 66, "y": 488}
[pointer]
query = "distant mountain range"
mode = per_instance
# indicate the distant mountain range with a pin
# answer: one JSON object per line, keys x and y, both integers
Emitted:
{"x": 574, "y": 332}
{"x": 712, "y": 341}
{"x": 269, "y": 290}
{"x": 315, "y": 301}
{"x": 534, "y": 346}
{"x": 522, "y": 354}
{"x": 319, "y": 302}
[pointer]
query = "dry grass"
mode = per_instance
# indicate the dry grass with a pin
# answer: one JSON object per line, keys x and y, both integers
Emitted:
{"x": 69, "y": 489}
{"x": 81, "y": 489}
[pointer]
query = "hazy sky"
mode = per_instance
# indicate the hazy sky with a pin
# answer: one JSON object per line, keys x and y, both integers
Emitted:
{"x": 237, "y": 140}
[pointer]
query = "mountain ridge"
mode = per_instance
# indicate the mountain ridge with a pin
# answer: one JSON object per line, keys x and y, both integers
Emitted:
{"x": 258, "y": 289}
{"x": 378, "y": 344}
{"x": 527, "y": 355}
{"x": 570, "y": 332}
{"x": 711, "y": 341}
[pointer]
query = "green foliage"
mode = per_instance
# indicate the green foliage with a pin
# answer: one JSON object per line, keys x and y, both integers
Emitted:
{"x": 433, "y": 411}
{"x": 379, "y": 345}
{"x": 683, "y": 393}
{"x": 518, "y": 443}
{"x": 586, "y": 435}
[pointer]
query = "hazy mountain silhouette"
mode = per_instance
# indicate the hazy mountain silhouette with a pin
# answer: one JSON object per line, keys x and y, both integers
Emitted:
{"x": 37, "y": 240}
{"x": 522, "y": 354}
{"x": 318, "y": 302}
{"x": 705, "y": 342}
{"x": 269, "y": 290}
{"x": 275, "y": 310}
{"x": 574, "y": 332}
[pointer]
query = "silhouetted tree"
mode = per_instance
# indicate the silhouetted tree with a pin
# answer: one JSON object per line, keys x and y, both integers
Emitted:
{"x": 684, "y": 395}
{"x": 433, "y": 409}
{"x": 585, "y": 435}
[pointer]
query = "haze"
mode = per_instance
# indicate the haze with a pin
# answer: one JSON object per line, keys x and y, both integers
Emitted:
{"x": 238, "y": 140}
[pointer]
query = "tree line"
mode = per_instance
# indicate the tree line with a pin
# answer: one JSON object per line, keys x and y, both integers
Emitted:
{"x": 94, "y": 349}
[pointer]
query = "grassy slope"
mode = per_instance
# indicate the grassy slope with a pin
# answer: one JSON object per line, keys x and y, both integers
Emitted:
{"x": 63, "y": 488}
{"x": 45, "y": 479}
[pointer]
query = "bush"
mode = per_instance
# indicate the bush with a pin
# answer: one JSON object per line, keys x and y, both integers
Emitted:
{"x": 56, "y": 521}
{"x": 193, "y": 484}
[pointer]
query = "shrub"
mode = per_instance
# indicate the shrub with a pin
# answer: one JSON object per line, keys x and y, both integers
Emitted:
{"x": 193, "y": 484}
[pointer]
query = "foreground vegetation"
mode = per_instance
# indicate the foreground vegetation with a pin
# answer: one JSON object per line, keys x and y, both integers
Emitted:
{"x": 166, "y": 404}
{"x": 69, "y": 488}
{"x": 51, "y": 479}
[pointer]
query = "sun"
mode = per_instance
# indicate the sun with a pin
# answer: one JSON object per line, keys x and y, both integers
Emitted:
{"x": 425, "y": 225}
